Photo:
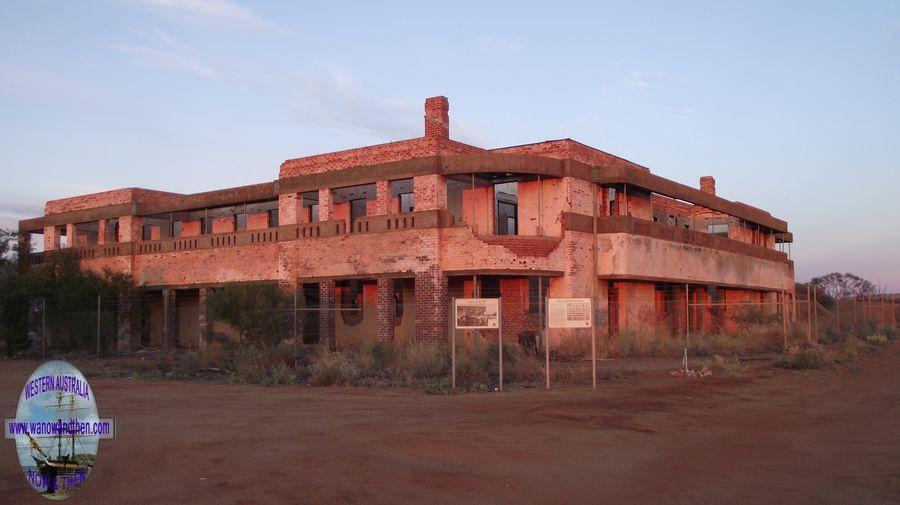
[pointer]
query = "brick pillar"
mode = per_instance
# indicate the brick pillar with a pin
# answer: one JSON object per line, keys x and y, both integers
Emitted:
{"x": 290, "y": 207}
{"x": 430, "y": 192}
{"x": 431, "y": 305}
{"x": 387, "y": 309}
{"x": 203, "y": 318}
{"x": 382, "y": 198}
{"x": 51, "y": 238}
{"x": 102, "y": 230}
{"x": 124, "y": 327}
{"x": 326, "y": 313}
{"x": 70, "y": 235}
{"x": 130, "y": 228}
{"x": 437, "y": 117}
{"x": 708, "y": 184}
{"x": 170, "y": 320}
{"x": 325, "y": 206}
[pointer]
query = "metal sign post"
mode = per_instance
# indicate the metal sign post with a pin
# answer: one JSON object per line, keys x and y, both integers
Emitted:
{"x": 474, "y": 314}
{"x": 500, "y": 340}
{"x": 453, "y": 348}
{"x": 546, "y": 345}
{"x": 573, "y": 313}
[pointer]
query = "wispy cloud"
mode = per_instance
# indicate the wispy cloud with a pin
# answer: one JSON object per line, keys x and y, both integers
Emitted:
{"x": 648, "y": 79}
{"x": 11, "y": 213}
{"x": 336, "y": 100}
{"x": 216, "y": 11}
{"x": 162, "y": 51}
{"x": 507, "y": 46}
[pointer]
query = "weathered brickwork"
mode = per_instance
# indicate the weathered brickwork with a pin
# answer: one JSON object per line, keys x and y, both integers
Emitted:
{"x": 387, "y": 309}
{"x": 431, "y": 305}
{"x": 365, "y": 268}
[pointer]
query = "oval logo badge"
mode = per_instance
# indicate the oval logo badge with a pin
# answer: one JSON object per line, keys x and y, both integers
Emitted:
{"x": 57, "y": 430}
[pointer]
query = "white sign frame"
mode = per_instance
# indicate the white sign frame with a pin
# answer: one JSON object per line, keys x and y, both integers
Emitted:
{"x": 560, "y": 311}
{"x": 490, "y": 307}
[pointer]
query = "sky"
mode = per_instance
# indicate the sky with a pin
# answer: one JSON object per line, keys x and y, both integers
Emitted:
{"x": 793, "y": 107}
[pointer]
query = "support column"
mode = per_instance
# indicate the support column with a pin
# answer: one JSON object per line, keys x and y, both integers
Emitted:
{"x": 130, "y": 228}
{"x": 326, "y": 207}
{"x": 51, "y": 238}
{"x": 326, "y": 313}
{"x": 70, "y": 235}
{"x": 124, "y": 327}
{"x": 431, "y": 305}
{"x": 202, "y": 318}
{"x": 290, "y": 207}
{"x": 102, "y": 230}
{"x": 170, "y": 320}
{"x": 382, "y": 198}
{"x": 430, "y": 192}
{"x": 387, "y": 309}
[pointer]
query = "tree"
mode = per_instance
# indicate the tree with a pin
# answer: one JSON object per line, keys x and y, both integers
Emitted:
{"x": 14, "y": 299}
{"x": 259, "y": 312}
{"x": 838, "y": 285}
{"x": 68, "y": 295}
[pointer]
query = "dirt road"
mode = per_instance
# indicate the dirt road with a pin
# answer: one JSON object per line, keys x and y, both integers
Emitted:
{"x": 771, "y": 437}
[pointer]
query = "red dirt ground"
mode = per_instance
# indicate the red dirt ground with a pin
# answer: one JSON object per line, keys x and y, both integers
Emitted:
{"x": 771, "y": 437}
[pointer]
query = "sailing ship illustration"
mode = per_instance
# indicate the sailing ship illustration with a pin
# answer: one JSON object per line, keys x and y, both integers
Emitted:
{"x": 63, "y": 473}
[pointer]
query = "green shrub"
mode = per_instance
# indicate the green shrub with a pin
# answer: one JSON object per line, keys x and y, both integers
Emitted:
{"x": 805, "y": 359}
{"x": 439, "y": 386}
{"x": 521, "y": 367}
{"x": 213, "y": 355}
{"x": 731, "y": 366}
{"x": 260, "y": 312}
{"x": 376, "y": 359}
{"x": 250, "y": 365}
{"x": 471, "y": 370}
{"x": 281, "y": 374}
{"x": 877, "y": 338}
{"x": 332, "y": 369}
{"x": 571, "y": 348}
{"x": 423, "y": 361}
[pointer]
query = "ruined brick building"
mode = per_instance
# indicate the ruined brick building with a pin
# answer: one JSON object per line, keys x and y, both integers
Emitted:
{"x": 374, "y": 242}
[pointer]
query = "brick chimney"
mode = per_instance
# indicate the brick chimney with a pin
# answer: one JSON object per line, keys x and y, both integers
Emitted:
{"x": 708, "y": 184}
{"x": 437, "y": 117}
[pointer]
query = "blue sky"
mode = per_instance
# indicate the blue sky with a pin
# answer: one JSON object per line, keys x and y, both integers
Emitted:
{"x": 793, "y": 108}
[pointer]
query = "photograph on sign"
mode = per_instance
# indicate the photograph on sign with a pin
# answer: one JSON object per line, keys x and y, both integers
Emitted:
{"x": 475, "y": 313}
{"x": 569, "y": 312}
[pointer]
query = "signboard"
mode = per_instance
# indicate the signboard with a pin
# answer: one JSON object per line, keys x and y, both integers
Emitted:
{"x": 476, "y": 313}
{"x": 569, "y": 313}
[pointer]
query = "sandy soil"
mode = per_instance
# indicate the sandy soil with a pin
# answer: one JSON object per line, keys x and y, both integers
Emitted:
{"x": 771, "y": 437}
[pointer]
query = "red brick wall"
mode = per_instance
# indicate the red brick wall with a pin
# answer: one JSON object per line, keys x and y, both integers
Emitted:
{"x": 223, "y": 225}
{"x": 431, "y": 305}
{"x": 190, "y": 228}
{"x": 569, "y": 149}
{"x": 105, "y": 198}
{"x": 437, "y": 117}
{"x": 259, "y": 221}
{"x": 381, "y": 153}
{"x": 386, "y": 309}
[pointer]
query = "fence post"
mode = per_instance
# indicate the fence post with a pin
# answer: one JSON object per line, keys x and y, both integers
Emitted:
{"x": 452, "y": 326}
{"x": 808, "y": 316}
{"x": 816, "y": 314}
{"x": 500, "y": 337}
{"x": 837, "y": 313}
{"x": 98, "y": 325}
{"x": 784, "y": 316}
